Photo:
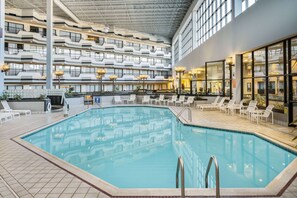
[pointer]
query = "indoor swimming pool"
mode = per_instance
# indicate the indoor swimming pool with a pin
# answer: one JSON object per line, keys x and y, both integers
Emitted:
{"x": 138, "y": 147}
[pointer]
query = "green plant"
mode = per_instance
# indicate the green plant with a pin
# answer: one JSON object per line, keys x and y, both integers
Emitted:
{"x": 17, "y": 97}
{"x": 137, "y": 87}
{"x": 260, "y": 100}
{"x": 4, "y": 96}
{"x": 68, "y": 94}
{"x": 42, "y": 96}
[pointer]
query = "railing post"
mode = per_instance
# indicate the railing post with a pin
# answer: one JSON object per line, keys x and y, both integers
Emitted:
{"x": 217, "y": 172}
{"x": 180, "y": 165}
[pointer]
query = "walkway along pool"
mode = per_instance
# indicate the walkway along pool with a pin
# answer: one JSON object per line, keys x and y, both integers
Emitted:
{"x": 138, "y": 147}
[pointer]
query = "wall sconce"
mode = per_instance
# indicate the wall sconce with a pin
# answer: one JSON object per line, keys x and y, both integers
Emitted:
{"x": 4, "y": 68}
{"x": 229, "y": 61}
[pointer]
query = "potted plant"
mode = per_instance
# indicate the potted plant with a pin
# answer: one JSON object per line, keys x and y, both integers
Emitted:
{"x": 17, "y": 97}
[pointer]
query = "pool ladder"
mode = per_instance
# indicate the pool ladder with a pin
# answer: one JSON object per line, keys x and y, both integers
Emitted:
{"x": 189, "y": 113}
{"x": 180, "y": 167}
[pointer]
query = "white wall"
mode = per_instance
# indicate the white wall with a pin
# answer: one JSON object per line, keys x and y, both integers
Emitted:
{"x": 263, "y": 23}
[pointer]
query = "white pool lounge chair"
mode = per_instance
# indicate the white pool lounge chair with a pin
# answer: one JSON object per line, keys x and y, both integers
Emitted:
{"x": 173, "y": 100}
{"x": 146, "y": 99}
{"x": 263, "y": 114}
{"x": 180, "y": 101}
{"x": 132, "y": 99}
{"x": 9, "y": 115}
{"x": 6, "y": 108}
{"x": 249, "y": 109}
{"x": 189, "y": 101}
{"x": 117, "y": 100}
{"x": 210, "y": 105}
{"x": 4, "y": 117}
{"x": 221, "y": 103}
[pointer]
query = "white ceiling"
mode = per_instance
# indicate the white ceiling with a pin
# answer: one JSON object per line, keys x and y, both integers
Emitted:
{"x": 159, "y": 17}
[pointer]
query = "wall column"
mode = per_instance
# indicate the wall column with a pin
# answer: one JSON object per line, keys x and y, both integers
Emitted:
{"x": 49, "y": 44}
{"x": 238, "y": 78}
{"x": 2, "y": 32}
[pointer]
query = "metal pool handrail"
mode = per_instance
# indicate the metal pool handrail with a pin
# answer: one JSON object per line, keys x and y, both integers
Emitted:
{"x": 217, "y": 171}
{"x": 189, "y": 113}
{"x": 180, "y": 166}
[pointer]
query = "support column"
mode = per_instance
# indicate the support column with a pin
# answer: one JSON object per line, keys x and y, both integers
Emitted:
{"x": 238, "y": 78}
{"x": 49, "y": 44}
{"x": 2, "y": 32}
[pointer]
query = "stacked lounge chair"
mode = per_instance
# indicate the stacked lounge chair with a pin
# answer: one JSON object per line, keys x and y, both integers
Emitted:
{"x": 209, "y": 106}
{"x": 7, "y": 109}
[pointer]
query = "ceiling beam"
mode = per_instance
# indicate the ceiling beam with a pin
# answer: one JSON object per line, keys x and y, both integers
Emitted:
{"x": 67, "y": 11}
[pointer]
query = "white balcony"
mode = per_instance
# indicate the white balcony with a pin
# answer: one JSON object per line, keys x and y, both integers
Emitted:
{"x": 145, "y": 51}
{"x": 159, "y": 53}
{"x": 24, "y": 36}
{"x": 87, "y": 76}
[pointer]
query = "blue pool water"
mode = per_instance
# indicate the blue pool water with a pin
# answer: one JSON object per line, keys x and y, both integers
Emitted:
{"x": 138, "y": 147}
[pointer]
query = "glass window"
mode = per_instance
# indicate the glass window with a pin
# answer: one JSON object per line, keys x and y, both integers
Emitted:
{"x": 247, "y": 65}
{"x": 215, "y": 78}
{"x": 75, "y": 37}
{"x": 212, "y": 18}
{"x": 187, "y": 36}
{"x": 294, "y": 85}
{"x": 247, "y": 89}
{"x": 276, "y": 59}
{"x": 276, "y": 92}
{"x": 276, "y": 79}
{"x": 214, "y": 70}
{"x": 259, "y": 63}
{"x": 260, "y": 91}
{"x": 13, "y": 28}
{"x": 294, "y": 55}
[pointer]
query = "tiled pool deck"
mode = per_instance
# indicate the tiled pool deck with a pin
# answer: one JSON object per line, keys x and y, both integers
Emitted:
{"x": 26, "y": 174}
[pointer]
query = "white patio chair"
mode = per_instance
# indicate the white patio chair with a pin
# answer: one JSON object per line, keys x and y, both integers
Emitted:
{"x": 249, "y": 109}
{"x": 226, "y": 107}
{"x": 180, "y": 101}
{"x": 117, "y": 100}
{"x": 263, "y": 114}
{"x": 6, "y": 108}
{"x": 160, "y": 100}
{"x": 146, "y": 99}
{"x": 173, "y": 100}
{"x": 132, "y": 99}
{"x": 189, "y": 101}
{"x": 235, "y": 107}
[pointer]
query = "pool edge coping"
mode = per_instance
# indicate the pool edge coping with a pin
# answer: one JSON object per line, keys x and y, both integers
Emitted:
{"x": 275, "y": 188}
